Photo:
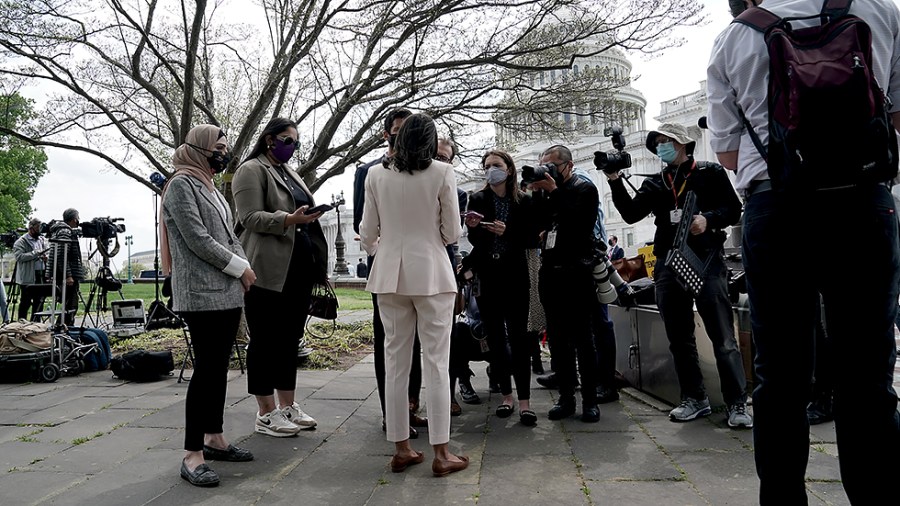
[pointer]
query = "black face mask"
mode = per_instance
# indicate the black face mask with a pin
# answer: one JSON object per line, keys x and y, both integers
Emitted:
{"x": 218, "y": 161}
{"x": 392, "y": 139}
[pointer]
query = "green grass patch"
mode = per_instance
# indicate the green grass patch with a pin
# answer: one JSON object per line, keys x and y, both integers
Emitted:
{"x": 346, "y": 346}
{"x": 81, "y": 440}
{"x": 350, "y": 299}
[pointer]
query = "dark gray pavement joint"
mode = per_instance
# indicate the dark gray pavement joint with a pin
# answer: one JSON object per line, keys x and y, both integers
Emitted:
{"x": 96, "y": 440}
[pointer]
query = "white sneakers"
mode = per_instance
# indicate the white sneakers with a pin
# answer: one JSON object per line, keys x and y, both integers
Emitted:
{"x": 275, "y": 424}
{"x": 284, "y": 422}
{"x": 298, "y": 417}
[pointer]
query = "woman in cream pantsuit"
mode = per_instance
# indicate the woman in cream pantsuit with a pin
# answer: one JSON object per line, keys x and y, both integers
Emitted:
{"x": 411, "y": 215}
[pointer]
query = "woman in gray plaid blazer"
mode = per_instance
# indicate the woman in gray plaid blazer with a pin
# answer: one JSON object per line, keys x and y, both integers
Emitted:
{"x": 210, "y": 274}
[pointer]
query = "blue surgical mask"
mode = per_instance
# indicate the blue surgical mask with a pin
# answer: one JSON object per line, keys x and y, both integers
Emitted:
{"x": 666, "y": 152}
{"x": 495, "y": 175}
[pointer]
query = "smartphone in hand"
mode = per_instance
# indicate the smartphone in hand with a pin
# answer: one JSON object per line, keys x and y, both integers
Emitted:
{"x": 485, "y": 223}
{"x": 472, "y": 214}
{"x": 319, "y": 209}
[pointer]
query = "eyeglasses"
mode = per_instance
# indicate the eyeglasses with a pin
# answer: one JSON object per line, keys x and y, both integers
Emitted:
{"x": 287, "y": 140}
{"x": 442, "y": 158}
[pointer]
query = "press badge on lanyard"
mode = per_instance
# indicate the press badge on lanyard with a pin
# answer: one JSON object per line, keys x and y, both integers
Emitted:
{"x": 675, "y": 216}
{"x": 551, "y": 239}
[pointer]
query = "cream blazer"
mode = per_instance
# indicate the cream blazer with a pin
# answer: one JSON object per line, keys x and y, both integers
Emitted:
{"x": 409, "y": 219}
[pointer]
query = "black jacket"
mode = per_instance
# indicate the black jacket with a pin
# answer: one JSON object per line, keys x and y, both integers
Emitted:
{"x": 519, "y": 229}
{"x": 716, "y": 201}
{"x": 74, "y": 266}
{"x": 572, "y": 211}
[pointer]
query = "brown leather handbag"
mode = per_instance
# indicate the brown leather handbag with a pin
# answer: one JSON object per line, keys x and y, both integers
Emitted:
{"x": 631, "y": 268}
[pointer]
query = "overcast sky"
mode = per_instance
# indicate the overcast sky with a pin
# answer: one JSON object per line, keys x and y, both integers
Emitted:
{"x": 83, "y": 182}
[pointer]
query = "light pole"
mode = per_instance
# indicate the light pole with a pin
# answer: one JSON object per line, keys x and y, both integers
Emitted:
{"x": 129, "y": 240}
{"x": 340, "y": 265}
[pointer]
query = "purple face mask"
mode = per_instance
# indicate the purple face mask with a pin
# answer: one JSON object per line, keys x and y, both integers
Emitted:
{"x": 283, "y": 150}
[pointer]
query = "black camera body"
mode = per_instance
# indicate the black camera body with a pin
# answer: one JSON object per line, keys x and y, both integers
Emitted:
{"x": 8, "y": 239}
{"x": 102, "y": 228}
{"x": 617, "y": 161}
{"x": 534, "y": 174}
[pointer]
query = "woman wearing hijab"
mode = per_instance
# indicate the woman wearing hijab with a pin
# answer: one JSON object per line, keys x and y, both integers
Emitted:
{"x": 287, "y": 249}
{"x": 209, "y": 277}
{"x": 411, "y": 215}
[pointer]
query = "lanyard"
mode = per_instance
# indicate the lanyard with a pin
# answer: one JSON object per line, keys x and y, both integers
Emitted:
{"x": 683, "y": 183}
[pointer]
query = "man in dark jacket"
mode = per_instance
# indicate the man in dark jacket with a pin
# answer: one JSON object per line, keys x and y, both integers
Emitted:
{"x": 362, "y": 270}
{"x": 68, "y": 269}
{"x": 568, "y": 213}
{"x": 718, "y": 207}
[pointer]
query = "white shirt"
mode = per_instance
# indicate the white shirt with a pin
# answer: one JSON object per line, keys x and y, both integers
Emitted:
{"x": 738, "y": 76}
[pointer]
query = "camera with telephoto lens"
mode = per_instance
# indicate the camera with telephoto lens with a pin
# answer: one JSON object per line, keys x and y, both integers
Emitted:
{"x": 102, "y": 228}
{"x": 534, "y": 174}
{"x": 606, "y": 277}
{"x": 613, "y": 162}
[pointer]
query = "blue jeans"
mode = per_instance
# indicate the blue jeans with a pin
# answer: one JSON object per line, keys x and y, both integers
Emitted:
{"x": 790, "y": 256}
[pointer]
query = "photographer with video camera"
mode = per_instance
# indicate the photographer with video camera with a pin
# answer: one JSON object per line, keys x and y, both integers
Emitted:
{"x": 72, "y": 274}
{"x": 664, "y": 195}
{"x": 566, "y": 216}
{"x": 31, "y": 259}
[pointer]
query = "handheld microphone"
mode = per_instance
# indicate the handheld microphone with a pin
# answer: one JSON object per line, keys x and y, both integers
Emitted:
{"x": 702, "y": 122}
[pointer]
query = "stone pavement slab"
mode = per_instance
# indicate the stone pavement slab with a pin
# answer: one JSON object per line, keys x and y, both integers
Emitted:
{"x": 100, "y": 441}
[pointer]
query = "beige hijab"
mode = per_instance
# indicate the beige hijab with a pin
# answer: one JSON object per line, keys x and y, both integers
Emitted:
{"x": 190, "y": 161}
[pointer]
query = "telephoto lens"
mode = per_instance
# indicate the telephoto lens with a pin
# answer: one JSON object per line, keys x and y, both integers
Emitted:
{"x": 606, "y": 294}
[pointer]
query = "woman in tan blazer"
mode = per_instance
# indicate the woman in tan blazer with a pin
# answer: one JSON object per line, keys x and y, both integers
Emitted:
{"x": 287, "y": 249}
{"x": 411, "y": 215}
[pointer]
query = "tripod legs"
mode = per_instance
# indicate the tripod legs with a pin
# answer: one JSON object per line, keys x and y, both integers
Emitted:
{"x": 189, "y": 355}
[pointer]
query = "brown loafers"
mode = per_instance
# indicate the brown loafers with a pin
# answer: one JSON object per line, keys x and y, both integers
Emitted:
{"x": 417, "y": 421}
{"x": 443, "y": 468}
{"x": 399, "y": 464}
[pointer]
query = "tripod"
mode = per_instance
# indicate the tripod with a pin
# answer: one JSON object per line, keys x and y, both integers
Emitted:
{"x": 97, "y": 289}
{"x": 159, "y": 315}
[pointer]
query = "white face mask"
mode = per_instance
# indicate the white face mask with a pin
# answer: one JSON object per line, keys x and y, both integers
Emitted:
{"x": 495, "y": 175}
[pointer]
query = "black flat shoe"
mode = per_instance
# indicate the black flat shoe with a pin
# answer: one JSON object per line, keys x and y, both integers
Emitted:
{"x": 590, "y": 414}
{"x": 201, "y": 476}
{"x": 606, "y": 395}
{"x": 527, "y": 417}
{"x": 230, "y": 454}
{"x": 467, "y": 393}
{"x": 504, "y": 411}
{"x": 561, "y": 410}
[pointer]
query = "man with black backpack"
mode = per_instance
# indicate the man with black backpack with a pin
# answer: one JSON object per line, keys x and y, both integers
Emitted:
{"x": 814, "y": 153}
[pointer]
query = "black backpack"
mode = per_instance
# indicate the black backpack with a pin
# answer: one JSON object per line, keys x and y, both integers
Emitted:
{"x": 828, "y": 120}
{"x": 142, "y": 365}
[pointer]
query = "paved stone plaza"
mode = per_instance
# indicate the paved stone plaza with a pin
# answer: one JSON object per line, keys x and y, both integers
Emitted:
{"x": 96, "y": 440}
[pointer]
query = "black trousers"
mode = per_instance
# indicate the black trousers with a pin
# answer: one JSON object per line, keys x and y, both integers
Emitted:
{"x": 504, "y": 313}
{"x": 568, "y": 296}
{"x": 30, "y": 299}
{"x": 605, "y": 342}
{"x": 70, "y": 305}
{"x": 212, "y": 337}
{"x": 676, "y": 306}
{"x": 276, "y": 321}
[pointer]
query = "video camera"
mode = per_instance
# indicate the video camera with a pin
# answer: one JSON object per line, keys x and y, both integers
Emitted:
{"x": 617, "y": 161}
{"x": 8, "y": 239}
{"x": 102, "y": 228}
